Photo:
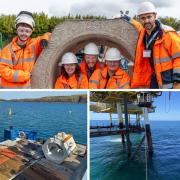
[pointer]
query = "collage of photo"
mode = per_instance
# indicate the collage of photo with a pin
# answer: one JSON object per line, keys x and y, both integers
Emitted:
{"x": 90, "y": 90}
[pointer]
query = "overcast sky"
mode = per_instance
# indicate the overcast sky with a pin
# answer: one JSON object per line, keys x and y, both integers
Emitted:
{"x": 107, "y": 8}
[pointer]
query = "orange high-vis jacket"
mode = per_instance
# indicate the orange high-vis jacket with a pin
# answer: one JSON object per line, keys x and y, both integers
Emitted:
{"x": 83, "y": 67}
{"x": 16, "y": 63}
{"x": 166, "y": 56}
{"x": 120, "y": 80}
{"x": 72, "y": 83}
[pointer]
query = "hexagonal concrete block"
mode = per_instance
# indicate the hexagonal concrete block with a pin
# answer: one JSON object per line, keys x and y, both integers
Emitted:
{"x": 73, "y": 35}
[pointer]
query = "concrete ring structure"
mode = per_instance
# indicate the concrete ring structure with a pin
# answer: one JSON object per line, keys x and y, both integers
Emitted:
{"x": 73, "y": 35}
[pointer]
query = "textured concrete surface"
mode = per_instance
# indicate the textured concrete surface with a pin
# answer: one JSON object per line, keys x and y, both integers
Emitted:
{"x": 73, "y": 35}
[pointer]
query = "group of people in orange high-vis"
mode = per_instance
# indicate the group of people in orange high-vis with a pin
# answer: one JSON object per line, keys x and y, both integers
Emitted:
{"x": 90, "y": 74}
{"x": 156, "y": 63}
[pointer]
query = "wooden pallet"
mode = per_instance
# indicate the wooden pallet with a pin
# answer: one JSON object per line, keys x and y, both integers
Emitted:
{"x": 73, "y": 167}
{"x": 28, "y": 166}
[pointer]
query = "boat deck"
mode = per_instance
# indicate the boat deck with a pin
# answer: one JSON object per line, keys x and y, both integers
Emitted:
{"x": 25, "y": 160}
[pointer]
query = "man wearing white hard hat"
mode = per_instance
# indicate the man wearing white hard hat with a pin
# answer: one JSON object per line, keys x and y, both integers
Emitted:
{"x": 19, "y": 56}
{"x": 111, "y": 76}
{"x": 90, "y": 62}
{"x": 71, "y": 77}
{"x": 157, "y": 59}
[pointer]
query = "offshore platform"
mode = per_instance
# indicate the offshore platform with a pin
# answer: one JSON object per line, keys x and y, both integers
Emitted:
{"x": 127, "y": 103}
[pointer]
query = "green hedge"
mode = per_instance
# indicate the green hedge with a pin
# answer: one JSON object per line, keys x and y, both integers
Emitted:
{"x": 46, "y": 24}
{"x": 43, "y": 24}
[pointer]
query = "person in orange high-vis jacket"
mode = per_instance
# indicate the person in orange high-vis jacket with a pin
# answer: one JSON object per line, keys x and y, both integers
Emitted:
{"x": 71, "y": 77}
{"x": 157, "y": 59}
{"x": 111, "y": 76}
{"x": 19, "y": 56}
{"x": 90, "y": 62}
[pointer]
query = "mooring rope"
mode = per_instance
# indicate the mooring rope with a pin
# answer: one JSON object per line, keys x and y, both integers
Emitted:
{"x": 167, "y": 102}
{"x": 145, "y": 143}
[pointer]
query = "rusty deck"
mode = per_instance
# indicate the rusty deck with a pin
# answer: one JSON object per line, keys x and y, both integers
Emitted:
{"x": 25, "y": 160}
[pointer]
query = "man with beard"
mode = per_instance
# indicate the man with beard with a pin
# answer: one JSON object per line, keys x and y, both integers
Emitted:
{"x": 157, "y": 59}
{"x": 111, "y": 76}
{"x": 90, "y": 62}
{"x": 19, "y": 56}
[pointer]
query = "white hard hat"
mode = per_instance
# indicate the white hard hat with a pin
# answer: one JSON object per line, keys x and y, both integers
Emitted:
{"x": 146, "y": 7}
{"x": 26, "y": 18}
{"x": 113, "y": 54}
{"x": 68, "y": 58}
{"x": 91, "y": 49}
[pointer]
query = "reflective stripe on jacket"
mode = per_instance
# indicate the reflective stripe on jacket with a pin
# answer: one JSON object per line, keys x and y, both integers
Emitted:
{"x": 120, "y": 80}
{"x": 16, "y": 63}
{"x": 166, "y": 56}
{"x": 72, "y": 83}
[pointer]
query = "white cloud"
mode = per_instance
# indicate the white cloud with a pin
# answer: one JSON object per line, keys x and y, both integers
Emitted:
{"x": 95, "y": 7}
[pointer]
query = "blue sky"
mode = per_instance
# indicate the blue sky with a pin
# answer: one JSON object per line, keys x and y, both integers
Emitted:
{"x": 165, "y": 109}
{"x": 35, "y": 94}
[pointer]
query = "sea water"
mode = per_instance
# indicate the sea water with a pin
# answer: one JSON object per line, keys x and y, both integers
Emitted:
{"x": 47, "y": 119}
{"x": 108, "y": 157}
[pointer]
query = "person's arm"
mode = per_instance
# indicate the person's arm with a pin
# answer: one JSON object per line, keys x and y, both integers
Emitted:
{"x": 8, "y": 72}
{"x": 135, "y": 23}
{"x": 173, "y": 48}
{"x": 41, "y": 42}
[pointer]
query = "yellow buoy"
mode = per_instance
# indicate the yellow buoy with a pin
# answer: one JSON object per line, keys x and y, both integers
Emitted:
{"x": 10, "y": 112}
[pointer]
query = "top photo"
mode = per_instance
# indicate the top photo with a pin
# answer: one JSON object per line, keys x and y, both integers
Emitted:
{"x": 89, "y": 44}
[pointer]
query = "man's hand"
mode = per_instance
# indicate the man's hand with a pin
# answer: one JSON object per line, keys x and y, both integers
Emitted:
{"x": 44, "y": 43}
{"x": 126, "y": 18}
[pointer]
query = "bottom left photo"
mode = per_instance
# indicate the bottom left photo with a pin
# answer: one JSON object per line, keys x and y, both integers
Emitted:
{"x": 43, "y": 135}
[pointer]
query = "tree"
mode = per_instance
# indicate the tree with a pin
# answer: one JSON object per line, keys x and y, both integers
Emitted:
{"x": 47, "y": 24}
{"x": 173, "y": 22}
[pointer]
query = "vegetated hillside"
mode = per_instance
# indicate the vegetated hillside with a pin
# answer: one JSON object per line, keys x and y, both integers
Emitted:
{"x": 74, "y": 99}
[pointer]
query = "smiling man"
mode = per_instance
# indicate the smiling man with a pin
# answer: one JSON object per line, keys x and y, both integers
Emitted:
{"x": 111, "y": 76}
{"x": 90, "y": 62}
{"x": 157, "y": 59}
{"x": 18, "y": 57}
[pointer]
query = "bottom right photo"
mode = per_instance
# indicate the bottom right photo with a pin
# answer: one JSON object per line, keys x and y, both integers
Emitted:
{"x": 134, "y": 135}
